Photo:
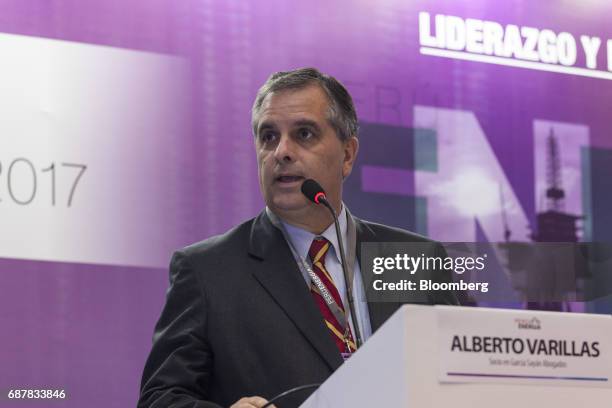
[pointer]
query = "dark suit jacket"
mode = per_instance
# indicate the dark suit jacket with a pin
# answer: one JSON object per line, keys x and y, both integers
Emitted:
{"x": 239, "y": 321}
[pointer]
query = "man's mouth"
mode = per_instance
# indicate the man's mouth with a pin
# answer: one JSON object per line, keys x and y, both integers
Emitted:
{"x": 289, "y": 179}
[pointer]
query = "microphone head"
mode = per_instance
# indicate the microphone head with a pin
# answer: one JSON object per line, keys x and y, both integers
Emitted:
{"x": 313, "y": 191}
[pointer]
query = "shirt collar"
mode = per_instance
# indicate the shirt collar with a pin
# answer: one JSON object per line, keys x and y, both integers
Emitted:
{"x": 302, "y": 239}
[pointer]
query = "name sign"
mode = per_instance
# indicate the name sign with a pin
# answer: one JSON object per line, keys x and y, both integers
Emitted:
{"x": 512, "y": 346}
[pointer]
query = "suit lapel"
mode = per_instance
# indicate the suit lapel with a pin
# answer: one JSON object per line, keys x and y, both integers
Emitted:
{"x": 278, "y": 273}
{"x": 379, "y": 311}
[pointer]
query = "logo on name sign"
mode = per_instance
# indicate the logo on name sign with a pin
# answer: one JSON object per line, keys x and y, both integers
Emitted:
{"x": 529, "y": 324}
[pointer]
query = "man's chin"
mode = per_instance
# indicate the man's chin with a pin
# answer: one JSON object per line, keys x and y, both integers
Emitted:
{"x": 293, "y": 204}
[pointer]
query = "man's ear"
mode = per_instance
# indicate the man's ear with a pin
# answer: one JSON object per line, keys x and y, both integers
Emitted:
{"x": 351, "y": 148}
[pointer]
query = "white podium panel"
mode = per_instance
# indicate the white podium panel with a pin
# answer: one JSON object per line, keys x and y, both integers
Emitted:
{"x": 564, "y": 361}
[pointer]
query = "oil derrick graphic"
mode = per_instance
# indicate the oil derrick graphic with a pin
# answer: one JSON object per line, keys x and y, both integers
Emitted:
{"x": 553, "y": 224}
{"x": 547, "y": 271}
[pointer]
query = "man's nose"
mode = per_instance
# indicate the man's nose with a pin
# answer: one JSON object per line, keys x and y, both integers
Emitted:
{"x": 285, "y": 149}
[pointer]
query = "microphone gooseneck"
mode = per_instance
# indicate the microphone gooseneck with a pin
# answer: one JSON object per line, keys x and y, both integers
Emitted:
{"x": 315, "y": 193}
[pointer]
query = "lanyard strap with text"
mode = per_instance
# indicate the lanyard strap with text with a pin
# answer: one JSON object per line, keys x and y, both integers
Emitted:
{"x": 305, "y": 267}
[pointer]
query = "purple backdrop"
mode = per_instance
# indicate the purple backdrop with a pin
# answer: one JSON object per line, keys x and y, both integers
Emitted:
{"x": 87, "y": 329}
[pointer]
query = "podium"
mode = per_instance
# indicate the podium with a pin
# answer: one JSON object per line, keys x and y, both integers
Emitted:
{"x": 408, "y": 361}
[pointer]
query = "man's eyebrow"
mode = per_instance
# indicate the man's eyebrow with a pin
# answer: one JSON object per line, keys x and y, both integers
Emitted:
{"x": 265, "y": 126}
{"x": 298, "y": 123}
{"x": 307, "y": 122}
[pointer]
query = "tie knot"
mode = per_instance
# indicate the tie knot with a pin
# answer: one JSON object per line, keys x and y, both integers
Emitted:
{"x": 318, "y": 249}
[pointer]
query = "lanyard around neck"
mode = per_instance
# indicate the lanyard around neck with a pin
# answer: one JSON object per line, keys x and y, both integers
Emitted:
{"x": 305, "y": 266}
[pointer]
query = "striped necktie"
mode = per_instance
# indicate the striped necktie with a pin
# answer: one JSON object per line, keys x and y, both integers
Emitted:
{"x": 317, "y": 252}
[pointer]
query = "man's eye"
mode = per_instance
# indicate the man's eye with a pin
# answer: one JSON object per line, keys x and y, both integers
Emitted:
{"x": 267, "y": 137}
{"x": 305, "y": 134}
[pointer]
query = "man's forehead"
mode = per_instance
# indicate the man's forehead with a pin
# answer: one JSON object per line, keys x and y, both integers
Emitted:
{"x": 310, "y": 98}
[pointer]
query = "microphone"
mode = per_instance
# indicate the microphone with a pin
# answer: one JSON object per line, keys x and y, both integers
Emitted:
{"x": 315, "y": 193}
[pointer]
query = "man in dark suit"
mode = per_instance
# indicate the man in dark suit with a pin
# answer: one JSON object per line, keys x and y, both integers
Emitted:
{"x": 263, "y": 308}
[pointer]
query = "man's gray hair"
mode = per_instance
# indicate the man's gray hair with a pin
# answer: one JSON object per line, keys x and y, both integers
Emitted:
{"x": 341, "y": 115}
